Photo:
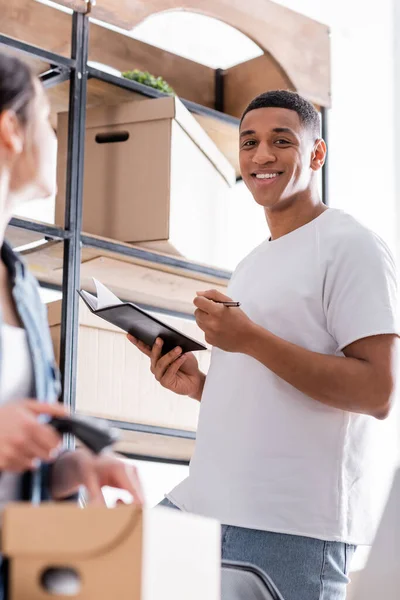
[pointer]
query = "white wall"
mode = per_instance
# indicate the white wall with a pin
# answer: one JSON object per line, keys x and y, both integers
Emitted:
{"x": 361, "y": 140}
{"x": 396, "y": 128}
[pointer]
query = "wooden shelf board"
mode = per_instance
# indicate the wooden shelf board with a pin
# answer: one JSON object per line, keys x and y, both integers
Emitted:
{"x": 156, "y": 446}
{"x": 149, "y": 445}
{"x": 131, "y": 278}
{"x": 18, "y": 237}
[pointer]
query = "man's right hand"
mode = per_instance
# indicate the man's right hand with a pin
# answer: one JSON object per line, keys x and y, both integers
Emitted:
{"x": 23, "y": 438}
{"x": 175, "y": 371}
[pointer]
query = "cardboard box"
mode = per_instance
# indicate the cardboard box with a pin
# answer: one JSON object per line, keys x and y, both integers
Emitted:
{"x": 123, "y": 553}
{"x": 151, "y": 174}
{"x": 114, "y": 379}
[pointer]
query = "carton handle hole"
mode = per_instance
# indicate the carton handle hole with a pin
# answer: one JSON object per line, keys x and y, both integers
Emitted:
{"x": 113, "y": 137}
{"x": 61, "y": 581}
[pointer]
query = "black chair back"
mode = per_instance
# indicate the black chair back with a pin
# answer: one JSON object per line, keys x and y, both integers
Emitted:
{"x": 242, "y": 581}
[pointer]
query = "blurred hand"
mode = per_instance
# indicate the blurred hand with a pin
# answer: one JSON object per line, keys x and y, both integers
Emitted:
{"x": 23, "y": 438}
{"x": 175, "y": 371}
{"x": 83, "y": 468}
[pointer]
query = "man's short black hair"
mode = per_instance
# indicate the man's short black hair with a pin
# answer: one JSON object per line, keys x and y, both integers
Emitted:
{"x": 308, "y": 115}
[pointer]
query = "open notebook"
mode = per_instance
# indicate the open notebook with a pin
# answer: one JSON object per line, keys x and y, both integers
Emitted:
{"x": 136, "y": 321}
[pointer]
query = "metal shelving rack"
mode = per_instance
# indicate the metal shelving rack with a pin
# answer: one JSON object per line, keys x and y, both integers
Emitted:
{"x": 77, "y": 71}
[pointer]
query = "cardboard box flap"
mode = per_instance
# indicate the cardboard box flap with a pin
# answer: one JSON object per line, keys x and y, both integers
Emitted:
{"x": 198, "y": 135}
{"x": 63, "y": 529}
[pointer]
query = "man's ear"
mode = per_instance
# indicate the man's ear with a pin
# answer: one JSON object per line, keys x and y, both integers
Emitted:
{"x": 11, "y": 132}
{"x": 318, "y": 155}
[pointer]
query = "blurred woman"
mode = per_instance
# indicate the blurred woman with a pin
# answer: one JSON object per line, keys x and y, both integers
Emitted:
{"x": 29, "y": 384}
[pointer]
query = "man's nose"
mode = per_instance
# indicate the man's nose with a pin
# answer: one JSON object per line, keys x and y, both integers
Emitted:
{"x": 264, "y": 154}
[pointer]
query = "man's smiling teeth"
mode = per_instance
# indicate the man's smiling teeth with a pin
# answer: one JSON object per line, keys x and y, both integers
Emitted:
{"x": 266, "y": 175}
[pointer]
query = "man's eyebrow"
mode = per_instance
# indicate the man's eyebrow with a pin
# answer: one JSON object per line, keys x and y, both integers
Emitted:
{"x": 275, "y": 130}
{"x": 247, "y": 132}
{"x": 284, "y": 130}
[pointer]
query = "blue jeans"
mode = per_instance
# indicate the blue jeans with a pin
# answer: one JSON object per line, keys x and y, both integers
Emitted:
{"x": 302, "y": 568}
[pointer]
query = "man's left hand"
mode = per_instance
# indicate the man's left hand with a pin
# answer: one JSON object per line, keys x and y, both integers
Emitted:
{"x": 226, "y": 328}
{"x": 83, "y": 468}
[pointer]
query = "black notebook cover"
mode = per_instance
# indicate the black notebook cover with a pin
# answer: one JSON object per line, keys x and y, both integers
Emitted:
{"x": 145, "y": 327}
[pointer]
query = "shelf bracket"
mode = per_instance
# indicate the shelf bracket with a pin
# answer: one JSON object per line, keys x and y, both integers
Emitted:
{"x": 54, "y": 76}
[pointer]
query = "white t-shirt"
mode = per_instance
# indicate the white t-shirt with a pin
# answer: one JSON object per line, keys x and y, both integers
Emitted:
{"x": 16, "y": 383}
{"x": 267, "y": 456}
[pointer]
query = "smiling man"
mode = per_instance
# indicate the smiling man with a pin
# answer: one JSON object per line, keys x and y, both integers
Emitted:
{"x": 291, "y": 426}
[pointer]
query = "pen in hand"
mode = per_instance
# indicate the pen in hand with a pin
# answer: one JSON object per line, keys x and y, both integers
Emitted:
{"x": 228, "y": 304}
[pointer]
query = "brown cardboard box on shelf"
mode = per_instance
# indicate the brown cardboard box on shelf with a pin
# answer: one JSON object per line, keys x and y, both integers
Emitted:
{"x": 124, "y": 553}
{"x": 152, "y": 175}
{"x": 114, "y": 379}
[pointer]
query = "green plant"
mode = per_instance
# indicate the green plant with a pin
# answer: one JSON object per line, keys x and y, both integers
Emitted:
{"x": 148, "y": 79}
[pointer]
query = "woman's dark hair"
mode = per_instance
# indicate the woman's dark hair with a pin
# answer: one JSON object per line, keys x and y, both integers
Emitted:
{"x": 17, "y": 88}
